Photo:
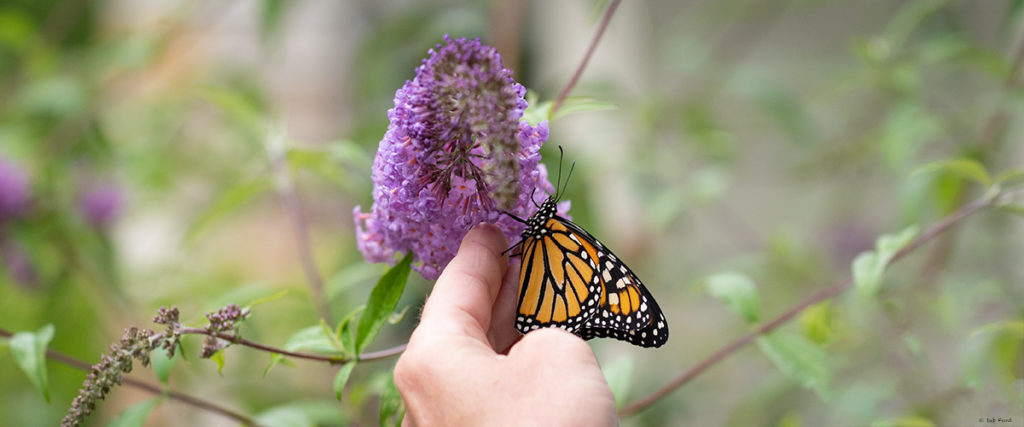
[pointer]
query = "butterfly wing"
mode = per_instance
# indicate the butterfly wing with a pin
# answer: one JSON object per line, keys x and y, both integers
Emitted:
{"x": 626, "y": 309}
{"x": 558, "y": 283}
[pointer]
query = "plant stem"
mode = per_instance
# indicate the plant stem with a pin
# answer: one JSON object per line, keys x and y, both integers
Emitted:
{"x": 835, "y": 289}
{"x": 586, "y": 58}
{"x": 148, "y": 387}
{"x": 290, "y": 198}
{"x": 365, "y": 357}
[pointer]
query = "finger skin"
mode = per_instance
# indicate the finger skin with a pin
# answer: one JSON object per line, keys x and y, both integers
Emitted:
{"x": 502, "y": 332}
{"x": 464, "y": 295}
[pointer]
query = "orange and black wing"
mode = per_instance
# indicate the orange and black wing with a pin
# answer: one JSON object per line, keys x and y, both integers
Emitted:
{"x": 626, "y": 309}
{"x": 558, "y": 281}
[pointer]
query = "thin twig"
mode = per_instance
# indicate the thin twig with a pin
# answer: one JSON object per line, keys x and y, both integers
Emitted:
{"x": 290, "y": 198}
{"x": 234, "y": 339}
{"x": 586, "y": 58}
{"x": 835, "y": 289}
{"x": 148, "y": 387}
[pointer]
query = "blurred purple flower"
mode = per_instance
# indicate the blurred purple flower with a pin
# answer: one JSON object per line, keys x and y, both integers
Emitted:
{"x": 13, "y": 190}
{"x": 455, "y": 154}
{"x": 100, "y": 204}
{"x": 17, "y": 264}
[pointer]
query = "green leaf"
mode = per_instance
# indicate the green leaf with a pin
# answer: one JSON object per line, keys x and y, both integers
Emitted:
{"x": 342, "y": 377}
{"x": 817, "y": 323}
{"x": 1010, "y": 178}
{"x": 29, "y": 350}
{"x": 347, "y": 328}
{"x": 162, "y": 364}
{"x": 218, "y": 358}
{"x": 867, "y": 273}
{"x": 315, "y": 339}
{"x": 869, "y": 266}
{"x": 266, "y": 299}
{"x": 271, "y": 14}
{"x": 227, "y": 202}
{"x": 799, "y": 359}
{"x": 396, "y": 317}
{"x": 391, "y": 410}
{"x": 738, "y": 292}
{"x": 1012, "y": 208}
{"x": 284, "y": 416}
{"x": 968, "y": 169}
{"x": 909, "y": 421}
{"x": 888, "y": 244}
{"x": 134, "y": 415}
{"x": 383, "y": 300}
{"x": 318, "y": 162}
{"x": 536, "y": 111}
{"x": 619, "y": 375}
{"x": 579, "y": 104}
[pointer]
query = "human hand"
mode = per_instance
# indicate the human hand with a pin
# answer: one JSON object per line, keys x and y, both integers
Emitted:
{"x": 457, "y": 371}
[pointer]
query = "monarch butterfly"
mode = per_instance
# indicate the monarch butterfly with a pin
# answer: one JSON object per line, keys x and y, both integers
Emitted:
{"x": 570, "y": 280}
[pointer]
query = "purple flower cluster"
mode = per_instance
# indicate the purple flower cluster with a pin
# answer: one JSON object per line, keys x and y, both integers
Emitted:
{"x": 455, "y": 154}
{"x": 100, "y": 205}
{"x": 136, "y": 343}
{"x": 222, "y": 320}
{"x": 13, "y": 190}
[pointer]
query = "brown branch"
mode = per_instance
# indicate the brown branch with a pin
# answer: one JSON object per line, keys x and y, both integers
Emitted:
{"x": 234, "y": 339}
{"x": 147, "y": 386}
{"x": 586, "y": 58}
{"x": 835, "y": 289}
{"x": 290, "y": 198}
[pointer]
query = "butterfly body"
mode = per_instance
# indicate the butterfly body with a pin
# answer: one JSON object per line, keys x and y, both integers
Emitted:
{"x": 570, "y": 280}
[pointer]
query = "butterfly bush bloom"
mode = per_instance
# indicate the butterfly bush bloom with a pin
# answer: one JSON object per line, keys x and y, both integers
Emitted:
{"x": 456, "y": 153}
{"x": 13, "y": 190}
{"x": 100, "y": 205}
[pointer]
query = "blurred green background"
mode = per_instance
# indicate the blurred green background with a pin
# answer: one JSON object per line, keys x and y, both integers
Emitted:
{"x": 774, "y": 140}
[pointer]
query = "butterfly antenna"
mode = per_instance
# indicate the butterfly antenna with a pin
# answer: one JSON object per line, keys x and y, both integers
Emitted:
{"x": 567, "y": 178}
{"x": 561, "y": 154}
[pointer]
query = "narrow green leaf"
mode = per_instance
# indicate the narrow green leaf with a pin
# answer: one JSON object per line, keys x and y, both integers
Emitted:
{"x": 817, "y": 323}
{"x": 266, "y": 299}
{"x": 738, "y": 292}
{"x": 536, "y": 111}
{"x": 135, "y": 415}
{"x": 330, "y": 334}
{"x": 284, "y": 416}
{"x": 227, "y": 202}
{"x": 1010, "y": 178}
{"x": 580, "y": 104}
{"x": 1012, "y": 208}
{"x": 396, "y": 317}
{"x": 867, "y": 273}
{"x": 383, "y": 300}
{"x": 315, "y": 339}
{"x": 619, "y": 375}
{"x": 342, "y": 377}
{"x": 888, "y": 244}
{"x": 391, "y": 410}
{"x": 318, "y": 162}
{"x": 29, "y": 350}
{"x": 218, "y": 358}
{"x": 162, "y": 364}
{"x": 968, "y": 169}
{"x": 909, "y": 421}
{"x": 869, "y": 266}
{"x": 347, "y": 329}
{"x": 799, "y": 359}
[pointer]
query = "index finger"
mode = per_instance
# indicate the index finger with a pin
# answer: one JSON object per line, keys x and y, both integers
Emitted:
{"x": 463, "y": 296}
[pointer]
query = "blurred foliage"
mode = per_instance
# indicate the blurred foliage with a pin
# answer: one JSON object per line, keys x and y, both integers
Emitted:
{"x": 749, "y": 152}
